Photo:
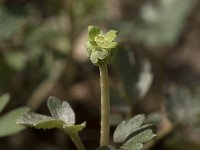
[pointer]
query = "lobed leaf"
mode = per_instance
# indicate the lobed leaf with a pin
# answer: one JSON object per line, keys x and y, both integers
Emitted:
{"x": 8, "y": 124}
{"x": 4, "y": 99}
{"x": 126, "y": 128}
{"x": 39, "y": 121}
{"x": 136, "y": 142}
{"x": 61, "y": 110}
{"x": 63, "y": 117}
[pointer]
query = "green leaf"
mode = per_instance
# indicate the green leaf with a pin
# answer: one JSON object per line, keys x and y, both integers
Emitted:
{"x": 10, "y": 24}
{"x": 93, "y": 32}
{"x": 136, "y": 142}
{"x": 161, "y": 24}
{"x": 126, "y": 128}
{"x": 8, "y": 124}
{"x": 101, "y": 54}
{"x": 61, "y": 110}
{"x": 111, "y": 35}
{"x": 136, "y": 75}
{"x": 183, "y": 106}
{"x": 4, "y": 99}
{"x": 134, "y": 146}
{"x": 39, "y": 121}
{"x": 108, "y": 147}
{"x": 63, "y": 118}
{"x": 16, "y": 60}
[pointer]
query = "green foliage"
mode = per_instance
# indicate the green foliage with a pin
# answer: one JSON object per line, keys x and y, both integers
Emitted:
{"x": 136, "y": 76}
{"x": 16, "y": 60}
{"x": 161, "y": 23}
{"x": 129, "y": 127}
{"x": 183, "y": 106}
{"x": 62, "y": 111}
{"x": 4, "y": 99}
{"x": 82, "y": 9}
{"x": 136, "y": 142}
{"x": 62, "y": 117}
{"x": 9, "y": 24}
{"x": 41, "y": 33}
{"x": 99, "y": 46}
{"x": 131, "y": 134}
{"x": 8, "y": 124}
{"x": 39, "y": 121}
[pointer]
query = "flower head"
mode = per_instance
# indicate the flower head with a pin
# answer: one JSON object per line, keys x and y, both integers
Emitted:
{"x": 100, "y": 46}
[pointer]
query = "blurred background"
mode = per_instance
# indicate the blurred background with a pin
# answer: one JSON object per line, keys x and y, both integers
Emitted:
{"x": 155, "y": 71}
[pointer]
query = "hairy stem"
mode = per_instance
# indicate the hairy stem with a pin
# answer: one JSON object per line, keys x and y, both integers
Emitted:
{"x": 76, "y": 140}
{"x": 105, "y": 106}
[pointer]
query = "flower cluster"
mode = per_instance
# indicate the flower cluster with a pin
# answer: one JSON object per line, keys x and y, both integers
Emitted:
{"x": 100, "y": 46}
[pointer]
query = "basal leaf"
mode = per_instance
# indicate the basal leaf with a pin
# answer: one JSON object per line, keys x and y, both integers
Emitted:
{"x": 139, "y": 130}
{"x": 136, "y": 142}
{"x": 111, "y": 35}
{"x": 4, "y": 99}
{"x": 61, "y": 110}
{"x": 126, "y": 128}
{"x": 8, "y": 124}
{"x": 39, "y": 121}
{"x": 63, "y": 118}
{"x": 93, "y": 31}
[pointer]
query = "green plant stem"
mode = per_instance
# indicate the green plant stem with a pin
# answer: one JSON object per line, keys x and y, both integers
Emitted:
{"x": 105, "y": 106}
{"x": 76, "y": 140}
